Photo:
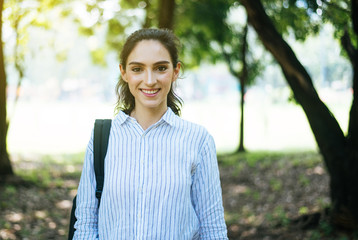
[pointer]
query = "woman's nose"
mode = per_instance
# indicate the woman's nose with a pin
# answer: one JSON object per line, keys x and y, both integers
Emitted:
{"x": 150, "y": 78}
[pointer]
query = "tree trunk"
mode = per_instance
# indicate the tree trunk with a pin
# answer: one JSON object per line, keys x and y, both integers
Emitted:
{"x": 241, "y": 147}
{"x": 5, "y": 165}
{"x": 350, "y": 175}
{"x": 166, "y": 14}
{"x": 148, "y": 20}
{"x": 243, "y": 79}
{"x": 338, "y": 155}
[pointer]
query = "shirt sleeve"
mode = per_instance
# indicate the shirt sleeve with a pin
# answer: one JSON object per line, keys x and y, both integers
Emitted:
{"x": 86, "y": 226}
{"x": 207, "y": 195}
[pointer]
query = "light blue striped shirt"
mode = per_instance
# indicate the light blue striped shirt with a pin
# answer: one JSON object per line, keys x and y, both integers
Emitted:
{"x": 161, "y": 183}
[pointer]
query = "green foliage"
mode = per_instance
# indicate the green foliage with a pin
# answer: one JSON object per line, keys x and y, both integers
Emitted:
{"x": 10, "y": 190}
{"x": 251, "y": 158}
{"x": 303, "y": 210}
{"x": 338, "y": 13}
{"x": 275, "y": 184}
{"x": 86, "y": 31}
{"x": 210, "y": 27}
{"x": 99, "y": 56}
{"x": 325, "y": 229}
{"x": 266, "y": 159}
{"x": 53, "y": 170}
{"x": 303, "y": 18}
{"x": 18, "y": 17}
{"x": 115, "y": 34}
{"x": 40, "y": 177}
{"x": 303, "y": 180}
{"x": 293, "y": 16}
{"x": 322, "y": 203}
{"x": 219, "y": 34}
{"x": 255, "y": 195}
{"x": 124, "y": 18}
{"x": 278, "y": 217}
{"x": 308, "y": 160}
{"x": 232, "y": 217}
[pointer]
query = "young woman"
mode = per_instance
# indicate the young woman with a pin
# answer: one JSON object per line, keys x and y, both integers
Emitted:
{"x": 161, "y": 172}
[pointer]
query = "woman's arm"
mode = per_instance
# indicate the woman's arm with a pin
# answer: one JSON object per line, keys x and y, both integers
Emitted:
{"x": 206, "y": 194}
{"x": 86, "y": 226}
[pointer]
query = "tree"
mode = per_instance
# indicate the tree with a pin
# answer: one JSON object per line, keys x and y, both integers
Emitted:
{"x": 216, "y": 38}
{"x": 20, "y": 20}
{"x": 242, "y": 77}
{"x": 340, "y": 152}
{"x": 5, "y": 165}
{"x": 250, "y": 68}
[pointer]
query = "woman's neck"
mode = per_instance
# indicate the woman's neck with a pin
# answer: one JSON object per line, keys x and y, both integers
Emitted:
{"x": 147, "y": 117}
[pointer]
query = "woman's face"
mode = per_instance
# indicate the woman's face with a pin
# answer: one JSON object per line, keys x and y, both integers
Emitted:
{"x": 149, "y": 73}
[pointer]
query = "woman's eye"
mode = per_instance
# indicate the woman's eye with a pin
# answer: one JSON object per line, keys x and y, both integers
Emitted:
{"x": 136, "y": 69}
{"x": 162, "y": 68}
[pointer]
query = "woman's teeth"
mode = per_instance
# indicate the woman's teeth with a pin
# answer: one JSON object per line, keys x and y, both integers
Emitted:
{"x": 150, "y": 91}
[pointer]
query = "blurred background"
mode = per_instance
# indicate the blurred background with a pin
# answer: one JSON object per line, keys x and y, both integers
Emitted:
{"x": 61, "y": 62}
{"x": 68, "y": 56}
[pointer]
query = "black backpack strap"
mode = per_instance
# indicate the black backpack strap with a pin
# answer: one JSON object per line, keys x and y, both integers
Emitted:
{"x": 73, "y": 219}
{"x": 102, "y": 128}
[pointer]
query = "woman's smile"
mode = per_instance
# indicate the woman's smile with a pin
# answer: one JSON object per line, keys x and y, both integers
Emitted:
{"x": 150, "y": 92}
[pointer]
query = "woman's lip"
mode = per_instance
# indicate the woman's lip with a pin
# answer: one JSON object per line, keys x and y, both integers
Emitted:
{"x": 150, "y": 92}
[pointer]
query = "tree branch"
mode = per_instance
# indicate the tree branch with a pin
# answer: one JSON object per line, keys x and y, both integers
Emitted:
{"x": 244, "y": 70}
{"x": 348, "y": 46}
{"x": 229, "y": 62}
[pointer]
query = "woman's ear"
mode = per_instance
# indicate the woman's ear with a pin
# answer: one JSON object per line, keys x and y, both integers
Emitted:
{"x": 176, "y": 72}
{"x": 123, "y": 72}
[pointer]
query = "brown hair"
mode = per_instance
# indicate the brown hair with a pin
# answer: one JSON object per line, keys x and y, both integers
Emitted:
{"x": 125, "y": 101}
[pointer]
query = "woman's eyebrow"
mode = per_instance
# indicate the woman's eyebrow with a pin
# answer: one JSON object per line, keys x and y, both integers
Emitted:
{"x": 135, "y": 63}
{"x": 157, "y": 63}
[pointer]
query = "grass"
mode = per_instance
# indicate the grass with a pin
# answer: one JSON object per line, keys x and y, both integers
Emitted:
{"x": 266, "y": 158}
{"x": 261, "y": 190}
{"x": 36, "y": 204}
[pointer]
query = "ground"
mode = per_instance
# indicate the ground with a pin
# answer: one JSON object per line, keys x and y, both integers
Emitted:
{"x": 262, "y": 194}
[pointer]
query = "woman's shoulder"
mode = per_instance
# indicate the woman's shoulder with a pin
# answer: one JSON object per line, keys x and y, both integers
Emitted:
{"x": 184, "y": 123}
{"x": 192, "y": 128}
{"x": 197, "y": 135}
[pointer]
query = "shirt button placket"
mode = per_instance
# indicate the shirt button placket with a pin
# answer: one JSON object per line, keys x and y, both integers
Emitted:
{"x": 140, "y": 187}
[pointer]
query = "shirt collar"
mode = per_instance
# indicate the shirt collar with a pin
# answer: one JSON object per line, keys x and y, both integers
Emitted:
{"x": 122, "y": 117}
{"x": 169, "y": 117}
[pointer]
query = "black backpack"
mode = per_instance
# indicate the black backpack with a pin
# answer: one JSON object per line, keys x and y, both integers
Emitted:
{"x": 102, "y": 128}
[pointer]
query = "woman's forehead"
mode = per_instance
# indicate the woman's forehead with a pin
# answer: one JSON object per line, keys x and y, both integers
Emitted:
{"x": 149, "y": 51}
